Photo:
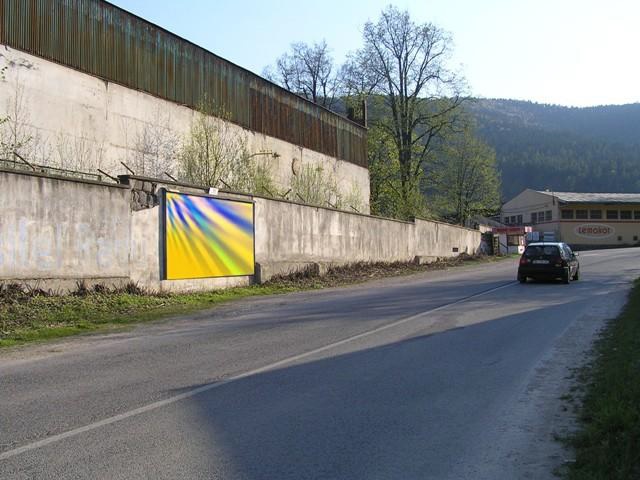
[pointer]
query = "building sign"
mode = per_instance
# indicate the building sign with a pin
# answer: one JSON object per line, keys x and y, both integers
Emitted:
{"x": 594, "y": 230}
{"x": 511, "y": 230}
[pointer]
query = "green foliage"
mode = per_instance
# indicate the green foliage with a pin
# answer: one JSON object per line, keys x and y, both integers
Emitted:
{"x": 352, "y": 200}
{"x": 387, "y": 196}
{"x": 212, "y": 147}
{"x": 215, "y": 153}
{"x": 563, "y": 149}
{"x": 252, "y": 174}
{"x": 405, "y": 64}
{"x": 36, "y": 315}
{"x": 464, "y": 179}
{"x": 611, "y": 123}
{"x": 313, "y": 185}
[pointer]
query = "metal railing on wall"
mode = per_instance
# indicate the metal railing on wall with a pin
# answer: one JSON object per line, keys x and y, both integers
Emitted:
{"x": 20, "y": 163}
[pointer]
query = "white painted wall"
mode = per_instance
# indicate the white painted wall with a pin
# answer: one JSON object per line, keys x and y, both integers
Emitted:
{"x": 528, "y": 202}
{"x": 78, "y": 121}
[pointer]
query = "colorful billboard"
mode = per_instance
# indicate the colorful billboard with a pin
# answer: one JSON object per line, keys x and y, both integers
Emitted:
{"x": 207, "y": 237}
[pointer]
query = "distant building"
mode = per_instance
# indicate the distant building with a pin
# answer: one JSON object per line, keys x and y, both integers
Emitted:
{"x": 509, "y": 240}
{"x": 583, "y": 220}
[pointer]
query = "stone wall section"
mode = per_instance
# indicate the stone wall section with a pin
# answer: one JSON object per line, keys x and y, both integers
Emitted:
{"x": 82, "y": 122}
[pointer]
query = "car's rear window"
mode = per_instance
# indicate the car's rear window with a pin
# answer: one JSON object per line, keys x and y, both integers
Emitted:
{"x": 542, "y": 251}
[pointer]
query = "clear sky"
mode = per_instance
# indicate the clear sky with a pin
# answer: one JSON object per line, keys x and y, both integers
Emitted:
{"x": 567, "y": 52}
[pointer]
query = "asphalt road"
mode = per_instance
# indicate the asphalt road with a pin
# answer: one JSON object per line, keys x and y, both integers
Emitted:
{"x": 446, "y": 375}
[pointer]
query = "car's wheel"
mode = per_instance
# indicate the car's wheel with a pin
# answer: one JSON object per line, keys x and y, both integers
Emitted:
{"x": 577, "y": 275}
{"x": 566, "y": 278}
{"x": 522, "y": 279}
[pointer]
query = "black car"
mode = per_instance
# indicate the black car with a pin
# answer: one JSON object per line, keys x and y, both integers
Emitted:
{"x": 548, "y": 260}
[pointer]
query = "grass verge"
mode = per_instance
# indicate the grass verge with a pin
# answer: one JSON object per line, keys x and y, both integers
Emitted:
{"x": 28, "y": 315}
{"x": 31, "y": 316}
{"x": 608, "y": 442}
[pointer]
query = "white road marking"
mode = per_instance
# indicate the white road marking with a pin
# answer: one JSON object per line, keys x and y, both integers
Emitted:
{"x": 196, "y": 391}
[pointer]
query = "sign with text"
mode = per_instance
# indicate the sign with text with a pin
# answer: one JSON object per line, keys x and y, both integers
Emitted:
{"x": 594, "y": 230}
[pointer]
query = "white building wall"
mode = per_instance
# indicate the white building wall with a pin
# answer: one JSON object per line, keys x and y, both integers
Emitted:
{"x": 530, "y": 202}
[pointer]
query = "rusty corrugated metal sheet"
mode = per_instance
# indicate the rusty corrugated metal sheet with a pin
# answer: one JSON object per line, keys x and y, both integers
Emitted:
{"x": 101, "y": 39}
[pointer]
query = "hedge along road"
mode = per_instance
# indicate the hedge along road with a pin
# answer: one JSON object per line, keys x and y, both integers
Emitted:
{"x": 453, "y": 374}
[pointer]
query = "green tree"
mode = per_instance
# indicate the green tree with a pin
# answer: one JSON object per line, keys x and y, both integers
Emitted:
{"x": 387, "y": 199}
{"x": 422, "y": 96}
{"x": 465, "y": 180}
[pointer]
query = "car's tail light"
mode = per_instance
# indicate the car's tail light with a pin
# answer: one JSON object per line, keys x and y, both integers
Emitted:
{"x": 524, "y": 260}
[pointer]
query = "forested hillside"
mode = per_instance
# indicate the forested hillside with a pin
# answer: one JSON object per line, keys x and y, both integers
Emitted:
{"x": 595, "y": 149}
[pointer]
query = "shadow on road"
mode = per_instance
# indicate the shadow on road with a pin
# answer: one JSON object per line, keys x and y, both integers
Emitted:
{"x": 410, "y": 409}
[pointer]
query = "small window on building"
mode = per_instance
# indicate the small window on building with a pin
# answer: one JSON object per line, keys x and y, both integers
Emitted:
{"x": 540, "y": 217}
{"x": 547, "y": 216}
{"x": 636, "y": 214}
{"x": 582, "y": 214}
{"x": 619, "y": 238}
{"x": 612, "y": 214}
{"x": 513, "y": 219}
{"x": 625, "y": 214}
{"x": 595, "y": 214}
{"x": 519, "y": 219}
{"x": 567, "y": 214}
{"x": 534, "y": 217}
{"x": 635, "y": 238}
{"x": 506, "y": 220}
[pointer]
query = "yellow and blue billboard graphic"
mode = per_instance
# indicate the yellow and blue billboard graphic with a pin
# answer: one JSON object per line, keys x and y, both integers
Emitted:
{"x": 207, "y": 237}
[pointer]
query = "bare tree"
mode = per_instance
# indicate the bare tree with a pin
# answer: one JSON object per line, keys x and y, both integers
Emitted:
{"x": 155, "y": 146}
{"x": 357, "y": 78}
{"x": 72, "y": 152}
{"x": 15, "y": 132}
{"x": 308, "y": 71}
{"x": 405, "y": 64}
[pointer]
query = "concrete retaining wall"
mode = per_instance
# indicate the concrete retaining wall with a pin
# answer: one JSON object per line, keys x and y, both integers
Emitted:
{"x": 81, "y": 122}
{"x": 62, "y": 231}
{"x": 289, "y": 235}
{"x": 57, "y": 231}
